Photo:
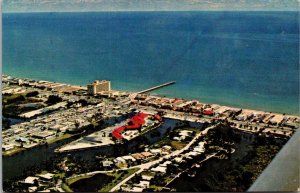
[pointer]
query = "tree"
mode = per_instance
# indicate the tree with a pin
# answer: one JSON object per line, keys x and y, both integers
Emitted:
{"x": 136, "y": 178}
{"x": 16, "y": 99}
{"x": 32, "y": 94}
{"x": 77, "y": 124}
{"x": 36, "y": 182}
{"x": 83, "y": 102}
{"x": 53, "y": 99}
{"x": 246, "y": 178}
{"x": 171, "y": 169}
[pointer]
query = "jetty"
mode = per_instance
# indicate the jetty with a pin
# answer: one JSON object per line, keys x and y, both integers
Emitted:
{"x": 156, "y": 87}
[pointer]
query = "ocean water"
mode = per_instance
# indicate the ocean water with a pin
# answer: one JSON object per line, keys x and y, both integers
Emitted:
{"x": 241, "y": 59}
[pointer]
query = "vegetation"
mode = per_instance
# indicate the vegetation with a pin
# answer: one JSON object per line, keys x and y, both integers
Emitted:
{"x": 14, "y": 98}
{"x": 75, "y": 179}
{"x": 60, "y": 175}
{"x": 122, "y": 165}
{"x": 239, "y": 177}
{"x": 64, "y": 136}
{"x": 91, "y": 182}
{"x": 32, "y": 94}
{"x": 66, "y": 187}
{"x": 118, "y": 177}
{"x": 177, "y": 145}
{"x": 12, "y": 104}
{"x": 53, "y": 99}
{"x": 155, "y": 188}
{"x": 264, "y": 155}
{"x": 5, "y": 123}
{"x": 13, "y": 151}
{"x": 174, "y": 144}
{"x": 147, "y": 173}
{"x": 83, "y": 102}
{"x": 43, "y": 172}
{"x": 234, "y": 174}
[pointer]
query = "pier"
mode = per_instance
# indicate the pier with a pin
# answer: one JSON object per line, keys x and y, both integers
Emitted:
{"x": 156, "y": 87}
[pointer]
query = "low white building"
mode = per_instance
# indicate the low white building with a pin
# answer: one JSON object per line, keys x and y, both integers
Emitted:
{"x": 148, "y": 178}
{"x": 159, "y": 169}
{"x": 155, "y": 151}
{"x": 129, "y": 157}
{"x": 107, "y": 163}
{"x": 177, "y": 138}
{"x": 59, "y": 127}
{"x": 143, "y": 184}
{"x": 8, "y": 147}
{"x": 178, "y": 159}
{"x": 193, "y": 153}
{"x": 165, "y": 163}
{"x": 133, "y": 189}
{"x": 119, "y": 160}
{"x": 166, "y": 147}
{"x": 47, "y": 176}
{"x": 30, "y": 180}
{"x": 32, "y": 189}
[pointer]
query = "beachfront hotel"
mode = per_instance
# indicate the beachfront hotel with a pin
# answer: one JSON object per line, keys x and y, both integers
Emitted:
{"x": 98, "y": 86}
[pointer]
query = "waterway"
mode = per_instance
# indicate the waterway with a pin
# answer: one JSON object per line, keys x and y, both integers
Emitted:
{"x": 92, "y": 184}
{"x": 40, "y": 155}
{"x": 15, "y": 166}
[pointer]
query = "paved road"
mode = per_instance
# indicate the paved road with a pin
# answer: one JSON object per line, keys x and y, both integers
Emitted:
{"x": 146, "y": 166}
{"x": 149, "y": 164}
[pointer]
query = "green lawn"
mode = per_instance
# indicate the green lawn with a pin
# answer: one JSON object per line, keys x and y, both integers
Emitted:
{"x": 13, "y": 151}
{"x": 147, "y": 173}
{"x": 66, "y": 187}
{"x": 177, "y": 144}
{"x": 118, "y": 178}
{"x": 75, "y": 179}
{"x": 167, "y": 179}
{"x": 11, "y": 104}
{"x": 60, "y": 175}
{"x": 64, "y": 136}
{"x": 13, "y": 96}
{"x": 155, "y": 188}
{"x": 43, "y": 172}
{"x": 121, "y": 165}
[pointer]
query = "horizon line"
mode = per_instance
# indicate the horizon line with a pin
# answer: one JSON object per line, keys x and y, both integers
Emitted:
{"x": 200, "y": 10}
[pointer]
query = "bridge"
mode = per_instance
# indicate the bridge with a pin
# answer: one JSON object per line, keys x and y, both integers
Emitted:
{"x": 156, "y": 87}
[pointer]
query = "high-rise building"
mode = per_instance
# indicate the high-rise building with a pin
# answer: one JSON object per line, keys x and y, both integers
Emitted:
{"x": 98, "y": 86}
{"x": 91, "y": 89}
{"x": 104, "y": 85}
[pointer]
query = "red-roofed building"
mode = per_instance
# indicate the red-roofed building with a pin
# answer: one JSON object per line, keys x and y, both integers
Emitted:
{"x": 134, "y": 123}
{"x": 157, "y": 117}
{"x": 208, "y": 112}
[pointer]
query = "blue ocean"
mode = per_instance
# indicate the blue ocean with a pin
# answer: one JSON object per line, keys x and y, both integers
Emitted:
{"x": 241, "y": 59}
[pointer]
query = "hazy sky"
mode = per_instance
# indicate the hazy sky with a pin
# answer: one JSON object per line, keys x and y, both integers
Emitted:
{"x": 145, "y": 5}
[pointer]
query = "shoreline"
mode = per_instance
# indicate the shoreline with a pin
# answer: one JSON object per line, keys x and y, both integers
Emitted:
{"x": 171, "y": 97}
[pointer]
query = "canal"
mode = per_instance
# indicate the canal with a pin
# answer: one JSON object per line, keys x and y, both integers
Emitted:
{"x": 16, "y": 166}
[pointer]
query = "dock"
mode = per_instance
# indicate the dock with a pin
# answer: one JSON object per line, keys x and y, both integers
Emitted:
{"x": 156, "y": 87}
